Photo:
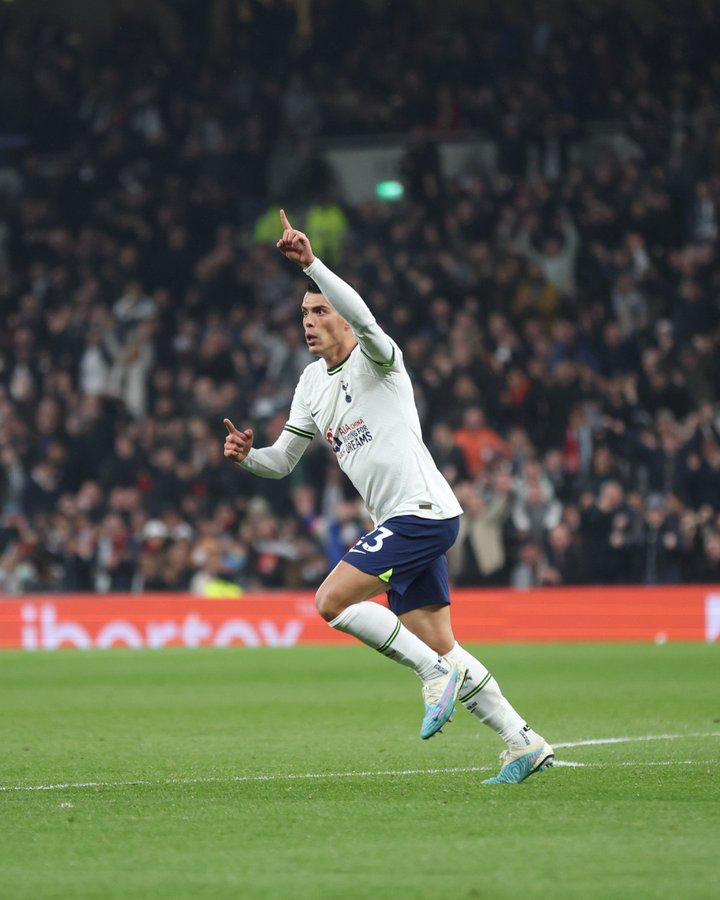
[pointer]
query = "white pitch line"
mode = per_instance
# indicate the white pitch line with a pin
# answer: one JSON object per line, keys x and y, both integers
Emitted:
{"x": 226, "y": 779}
{"x": 387, "y": 773}
{"x": 566, "y": 763}
{"x": 597, "y": 742}
{"x": 652, "y": 762}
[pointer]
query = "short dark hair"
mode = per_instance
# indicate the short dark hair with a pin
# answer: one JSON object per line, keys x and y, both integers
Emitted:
{"x": 311, "y": 287}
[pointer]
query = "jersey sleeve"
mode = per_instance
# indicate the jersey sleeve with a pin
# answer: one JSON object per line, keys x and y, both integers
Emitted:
{"x": 276, "y": 461}
{"x": 280, "y": 459}
{"x": 373, "y": 341}
{"x": 300, "y": 422}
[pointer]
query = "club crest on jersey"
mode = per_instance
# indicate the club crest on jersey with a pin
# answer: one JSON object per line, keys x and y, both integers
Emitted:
{"x": 334, "y": 441}
{"x": 346, "y": 388}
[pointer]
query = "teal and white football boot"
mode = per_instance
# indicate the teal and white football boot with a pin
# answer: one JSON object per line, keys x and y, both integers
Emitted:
{"x": 520, "y": 763}
{"x": 439, "y": 695}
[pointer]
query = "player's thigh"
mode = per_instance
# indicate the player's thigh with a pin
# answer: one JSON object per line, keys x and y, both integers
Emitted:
{"x": 344, "y": 586}
{"x": 432, "y": 625}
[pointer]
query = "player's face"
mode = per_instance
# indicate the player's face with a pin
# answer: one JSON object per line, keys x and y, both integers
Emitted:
{"x": 325, "y": 329}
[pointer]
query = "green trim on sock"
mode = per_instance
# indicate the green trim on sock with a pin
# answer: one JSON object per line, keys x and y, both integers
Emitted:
{"x": 476, "y": 689}
{"x": 386, "y": 576}
{"x": 389, "y": 641}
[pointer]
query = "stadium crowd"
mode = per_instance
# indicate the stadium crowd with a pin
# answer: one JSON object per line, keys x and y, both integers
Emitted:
{"x": 561, "y": 327}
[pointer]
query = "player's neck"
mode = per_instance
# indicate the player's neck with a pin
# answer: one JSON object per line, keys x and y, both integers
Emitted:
{"x": 339, "y": 353}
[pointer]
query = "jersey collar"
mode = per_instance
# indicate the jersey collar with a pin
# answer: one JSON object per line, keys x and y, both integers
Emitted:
{"x": 339, "y": 366}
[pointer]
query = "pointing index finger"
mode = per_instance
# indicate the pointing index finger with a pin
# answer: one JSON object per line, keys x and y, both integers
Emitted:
{"x": 231, "y": 429}
{"x": 284, "y": 220}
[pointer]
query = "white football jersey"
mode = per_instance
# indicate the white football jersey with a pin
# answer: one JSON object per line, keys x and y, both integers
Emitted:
{"x": 366, "y": 412}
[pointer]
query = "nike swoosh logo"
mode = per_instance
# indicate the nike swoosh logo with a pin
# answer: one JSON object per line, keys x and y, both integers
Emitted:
{"x": 445, "y": 699}
{"x": 313, "y": 414}
{"x": 533, "y": 761}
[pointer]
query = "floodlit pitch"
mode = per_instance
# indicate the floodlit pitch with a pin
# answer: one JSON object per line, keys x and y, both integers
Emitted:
{"x": 299, "y": 773}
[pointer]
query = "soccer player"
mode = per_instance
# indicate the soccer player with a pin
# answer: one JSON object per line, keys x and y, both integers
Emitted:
{"x": 359, "y": 396}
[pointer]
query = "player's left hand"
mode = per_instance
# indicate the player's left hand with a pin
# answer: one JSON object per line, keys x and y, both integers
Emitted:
{"x": 294, "y": 244}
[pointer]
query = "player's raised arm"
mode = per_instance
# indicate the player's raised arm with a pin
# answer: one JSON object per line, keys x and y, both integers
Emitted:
{"x": 372, "y": 339}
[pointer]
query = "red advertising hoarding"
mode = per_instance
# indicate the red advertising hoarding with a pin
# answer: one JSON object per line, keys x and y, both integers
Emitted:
{"x": 84, "y": 621}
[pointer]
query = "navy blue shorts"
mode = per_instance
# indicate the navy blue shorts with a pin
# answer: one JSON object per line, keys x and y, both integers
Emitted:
{"x": 408, "y": 554}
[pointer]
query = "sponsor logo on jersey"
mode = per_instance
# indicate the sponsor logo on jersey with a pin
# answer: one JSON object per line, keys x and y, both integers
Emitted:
{"x": 349, "y": 438}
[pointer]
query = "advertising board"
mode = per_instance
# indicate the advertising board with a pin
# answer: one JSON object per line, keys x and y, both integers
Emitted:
{"x": 85, "y": 621}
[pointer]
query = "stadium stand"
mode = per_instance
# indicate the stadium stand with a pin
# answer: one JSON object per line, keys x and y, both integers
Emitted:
{"x": 561, "y": 320}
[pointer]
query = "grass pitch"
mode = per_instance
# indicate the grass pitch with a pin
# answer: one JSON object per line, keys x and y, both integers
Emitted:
{"x": 202, "y": 765}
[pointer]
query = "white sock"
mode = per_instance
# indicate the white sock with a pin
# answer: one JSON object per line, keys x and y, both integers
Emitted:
{"x": 481, "y": 695}
{"x": 381, "y": 629}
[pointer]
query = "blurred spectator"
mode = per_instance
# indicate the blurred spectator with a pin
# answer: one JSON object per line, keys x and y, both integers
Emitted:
{"x": 114, "y": 560}
{"x": 479, "y": 443}
{"x": 556, "y": 259}
{"x": 478, "y": 556}
{"x": 706, "y": 566}
{"x": 328, "y": 225}
{"x": 565, "y": 560}
{"x": 529, "y": 571}
{"x": 660, "y": 548}
{"x": 535, "y": 513}
{"x": 607, "y": 530}
{"x": 448, "y": 456}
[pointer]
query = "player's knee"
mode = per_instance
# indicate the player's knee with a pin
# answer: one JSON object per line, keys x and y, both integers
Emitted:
{"x": 329, "y": 603}
{"x": 442, "y": 645}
